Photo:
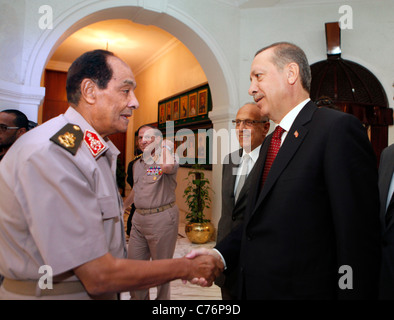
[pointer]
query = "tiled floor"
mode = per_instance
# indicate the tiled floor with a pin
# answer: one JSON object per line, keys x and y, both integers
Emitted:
{"x": 180, "y": 291}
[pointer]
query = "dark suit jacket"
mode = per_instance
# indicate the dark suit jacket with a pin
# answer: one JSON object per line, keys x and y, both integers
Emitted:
{"x": 317, "y": 211}
{"x": 232, "y": 212}
{"x": 386, "y": 169}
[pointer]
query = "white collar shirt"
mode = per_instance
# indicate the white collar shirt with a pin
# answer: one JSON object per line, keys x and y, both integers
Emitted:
{"x": 254, "y": 155}
{"x": 289, "y": 118}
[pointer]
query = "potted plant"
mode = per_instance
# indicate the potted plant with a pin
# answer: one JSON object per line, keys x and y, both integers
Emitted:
{"x": 198, "y": 229}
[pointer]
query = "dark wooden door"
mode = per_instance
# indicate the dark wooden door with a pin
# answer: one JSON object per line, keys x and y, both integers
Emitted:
{"x": 55, "y": 101}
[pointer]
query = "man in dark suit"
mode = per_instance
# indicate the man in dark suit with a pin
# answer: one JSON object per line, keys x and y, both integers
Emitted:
{"x": 312, "y": 226}
{"x": 251, "y": 129}
{"x": 386, "y": 188}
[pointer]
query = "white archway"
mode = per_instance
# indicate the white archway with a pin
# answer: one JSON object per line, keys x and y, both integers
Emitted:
{"x": 163, "y": 15}
{"x": 167, "y": 17}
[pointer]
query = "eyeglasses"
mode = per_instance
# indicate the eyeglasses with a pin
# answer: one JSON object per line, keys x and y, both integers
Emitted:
{"x": 4, "y": 128}
{"x": 147, "y": 137}
{"x": 247, "y": 122}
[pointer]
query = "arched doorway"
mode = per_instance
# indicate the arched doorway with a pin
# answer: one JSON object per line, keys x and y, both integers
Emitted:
{"x": 171, "y": 19}
{"x": 179, "y": 24}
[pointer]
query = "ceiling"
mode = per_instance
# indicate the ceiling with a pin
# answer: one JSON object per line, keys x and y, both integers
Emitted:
{"x": 137, "y": 44}
{"x": 245, "y": 4}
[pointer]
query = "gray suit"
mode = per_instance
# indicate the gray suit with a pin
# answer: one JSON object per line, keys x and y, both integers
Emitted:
{"x": 232, "y": 212}
{"x": 386, "y": 170}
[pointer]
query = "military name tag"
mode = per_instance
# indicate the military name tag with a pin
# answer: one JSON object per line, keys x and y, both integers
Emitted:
{"x": 69, "y": 138}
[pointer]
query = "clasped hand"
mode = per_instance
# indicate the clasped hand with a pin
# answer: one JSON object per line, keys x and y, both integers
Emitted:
{"x": 209, "y": 266}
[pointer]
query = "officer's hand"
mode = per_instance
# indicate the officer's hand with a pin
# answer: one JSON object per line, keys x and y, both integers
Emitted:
{"x": 167, "y": 144}
{"x": 208, "y": 266}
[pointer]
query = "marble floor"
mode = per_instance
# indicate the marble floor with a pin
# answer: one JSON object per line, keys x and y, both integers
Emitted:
{"x": 180, "y": 291}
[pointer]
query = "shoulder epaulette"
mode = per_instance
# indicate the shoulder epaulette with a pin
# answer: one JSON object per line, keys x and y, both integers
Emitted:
{"x": 69, "y": 137}
{"x": 137, "y": 157}
{"x": 130, "y": 170}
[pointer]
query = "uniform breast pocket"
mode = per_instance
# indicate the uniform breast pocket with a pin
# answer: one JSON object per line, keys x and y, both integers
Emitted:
{"x": 149, "y": 179}
{"x": 109, "y": 207}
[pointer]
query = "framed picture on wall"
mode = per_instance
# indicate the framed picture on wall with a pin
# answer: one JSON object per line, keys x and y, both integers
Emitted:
{"x": 183, "y": 110}
{"x": 168, "y": 113}
{"x": 187, "y": 107}
{"x": 162, "y": 113}
{"x": 193, "y": 104}
{"x": 202, "y": 101}
{"x": 175, "y": 109}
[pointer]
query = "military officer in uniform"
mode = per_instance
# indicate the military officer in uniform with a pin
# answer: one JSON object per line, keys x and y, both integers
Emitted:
{"x": 155, "y": 221}
{"x": 61, "y": 215}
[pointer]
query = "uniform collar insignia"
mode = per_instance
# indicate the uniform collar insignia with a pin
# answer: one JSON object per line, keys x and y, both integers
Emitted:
{"x": 94, "y": 143}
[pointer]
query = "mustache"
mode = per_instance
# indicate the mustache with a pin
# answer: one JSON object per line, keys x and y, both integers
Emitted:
{"x": 258, "y": 96}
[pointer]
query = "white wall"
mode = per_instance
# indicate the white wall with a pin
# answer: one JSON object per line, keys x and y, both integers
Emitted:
{"x": 234, "y": 33}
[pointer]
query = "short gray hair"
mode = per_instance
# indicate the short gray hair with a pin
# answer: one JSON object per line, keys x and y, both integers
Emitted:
{"x": 285, "y": 53}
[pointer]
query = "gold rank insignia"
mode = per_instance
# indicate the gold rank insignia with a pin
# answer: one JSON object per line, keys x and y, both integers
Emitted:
{"x": 69, "y": 137}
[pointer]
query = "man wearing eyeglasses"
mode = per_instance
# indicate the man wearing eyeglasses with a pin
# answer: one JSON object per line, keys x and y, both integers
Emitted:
{"x": 13, "y": 124}
{"x": 251, "y": 129}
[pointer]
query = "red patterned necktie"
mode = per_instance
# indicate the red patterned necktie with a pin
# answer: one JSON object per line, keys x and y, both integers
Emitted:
{"x": 272, "y": 150}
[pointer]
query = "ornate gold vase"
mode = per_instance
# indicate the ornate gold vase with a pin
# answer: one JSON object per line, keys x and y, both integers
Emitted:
{"x": 199, "y": 232}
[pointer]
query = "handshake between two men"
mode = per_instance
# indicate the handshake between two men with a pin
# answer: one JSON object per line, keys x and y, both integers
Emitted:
{"x": 108, "y": 274}
{"x": 210, "y": 266}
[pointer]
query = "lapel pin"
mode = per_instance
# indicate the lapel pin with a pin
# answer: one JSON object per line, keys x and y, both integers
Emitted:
{"x": 296, "y": 134}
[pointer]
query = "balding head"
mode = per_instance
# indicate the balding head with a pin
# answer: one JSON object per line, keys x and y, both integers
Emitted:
{"x": 252, "y": 131}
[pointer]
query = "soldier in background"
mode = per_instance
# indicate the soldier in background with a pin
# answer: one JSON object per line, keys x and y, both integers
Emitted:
{"x": 13, "y": 124}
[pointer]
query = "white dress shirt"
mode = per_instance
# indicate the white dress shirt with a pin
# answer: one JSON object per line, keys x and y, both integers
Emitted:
{"x": 289, "y": 118}
{"x": 390, "y": 193}
{"x": 254, "y": 155}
